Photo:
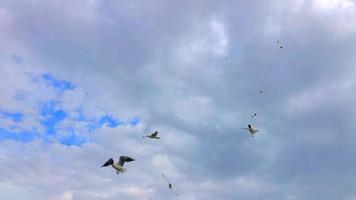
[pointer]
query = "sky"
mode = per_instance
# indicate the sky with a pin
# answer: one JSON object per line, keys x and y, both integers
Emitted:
{"x": 83, "y": 81}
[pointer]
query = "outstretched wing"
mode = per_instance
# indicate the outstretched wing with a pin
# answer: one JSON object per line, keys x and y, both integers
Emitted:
{"x": 154, "y": 134}
{"x": 165, "y": 178}
{"x": 124, "y": 159}
{"x": 109, "y": 162}
{"x": 245, "y": 129}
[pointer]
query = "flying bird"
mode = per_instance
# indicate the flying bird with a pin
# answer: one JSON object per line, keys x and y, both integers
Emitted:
{"x": 169, "y": 183}
{"x": 260, "y": 91}
{"x": 118, "y": 166}
{"x": 254, "y": 115}
{"x": 152, "y": 136}
{"x": 280, "y": 46}
{"x": 251, "y": 129}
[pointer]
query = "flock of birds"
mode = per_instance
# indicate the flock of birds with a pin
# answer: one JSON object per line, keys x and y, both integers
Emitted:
{"x": 119, "y": 165}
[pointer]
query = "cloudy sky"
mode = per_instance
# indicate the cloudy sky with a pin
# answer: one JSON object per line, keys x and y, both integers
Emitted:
{"x": 83, "y": 81}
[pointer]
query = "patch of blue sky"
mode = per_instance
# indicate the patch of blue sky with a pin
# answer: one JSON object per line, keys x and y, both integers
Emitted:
{"x": 51, "y": 115}
{"x": 22, "y": 136}
{"x": 135, "y": 121}
{"x": 14, "y": 116}
{"x": 110, "y": 121}
{"x": 58, "y": 85}
{"x": 73, "y": 140}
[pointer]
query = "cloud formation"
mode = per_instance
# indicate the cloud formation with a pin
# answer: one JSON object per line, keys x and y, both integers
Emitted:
{"x": 83, "y": 81}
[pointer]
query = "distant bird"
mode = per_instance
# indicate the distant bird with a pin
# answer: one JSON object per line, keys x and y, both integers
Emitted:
{"x": 251, "y": 130}
{"x": 280, "y": 46}
{"x": 254, "y": 115}
{"x": 260, "y": 91}
{"x": 225, "y": 58}
{"x": 169, "y": 183}
{"x": 119, "y": 166}
{"x": 152, "y": 136}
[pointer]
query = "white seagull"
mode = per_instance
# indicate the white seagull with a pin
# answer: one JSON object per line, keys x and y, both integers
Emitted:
{"x": 251, "y": 130}
{"x": 152, "y": 136}
{"x": 118, "y": 166}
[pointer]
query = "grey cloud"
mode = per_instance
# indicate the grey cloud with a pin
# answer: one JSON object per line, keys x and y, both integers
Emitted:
{"x": 154, "y": 60}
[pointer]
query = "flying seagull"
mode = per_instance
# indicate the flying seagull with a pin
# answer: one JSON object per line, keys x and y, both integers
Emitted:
{"x": 251, "y": 130}
{"x": 169, "y": 183}
{"x": 119, "y": 166}
{"x": 280, "y": 46}
{"x": 152, "y": 136}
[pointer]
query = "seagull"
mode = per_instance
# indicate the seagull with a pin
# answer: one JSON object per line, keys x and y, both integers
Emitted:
{"x": 169, "y": 183}
{"x": 251, "y": 130}
{"x": 280, "y": 46}
{"x": 119, "y": 166}
{"x": 152, "y": 136}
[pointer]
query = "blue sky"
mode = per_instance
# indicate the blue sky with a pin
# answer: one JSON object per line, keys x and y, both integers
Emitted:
{"x": 83, "y": 81}
{"x": 52, "y": 114}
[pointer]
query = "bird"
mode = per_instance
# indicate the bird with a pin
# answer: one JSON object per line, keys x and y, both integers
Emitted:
{"x": 118, "y": 166}
{"x": 251, "y": 129}
{"x": 169, "y": 183}
{"x": 152, "y": 136}
{"x": 280, "y": 46}
{"x": 254, "y": 115}
{"x": 260, "y": 91}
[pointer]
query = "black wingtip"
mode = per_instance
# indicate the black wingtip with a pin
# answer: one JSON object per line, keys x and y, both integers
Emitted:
{"x": 108, "y": 163}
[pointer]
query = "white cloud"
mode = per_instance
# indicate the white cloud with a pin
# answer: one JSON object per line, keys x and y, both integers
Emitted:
{"x": 333, "y": 4}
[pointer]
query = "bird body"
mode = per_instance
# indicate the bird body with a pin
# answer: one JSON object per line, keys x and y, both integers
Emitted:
{"x": 118, "y": 166}
{"x": 169, "y": 184}
{"x": 153, "y": 135}
{"x": 251, "y": 129}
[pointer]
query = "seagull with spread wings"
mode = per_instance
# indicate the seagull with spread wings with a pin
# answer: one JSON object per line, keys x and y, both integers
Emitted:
{"x": 152, "y": 136}
{"x": 118, "y": 166}
{"x": 251, "y": 129}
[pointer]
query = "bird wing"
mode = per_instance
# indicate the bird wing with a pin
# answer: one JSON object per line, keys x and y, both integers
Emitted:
{"x": 154, "y": 134}
{"x": 165, "y": 178}
{"x": 245, "y": 129}
{"x": 124, "y": 159}
{"x": 109, "y": 162}
{"x": 255, "y": 130}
